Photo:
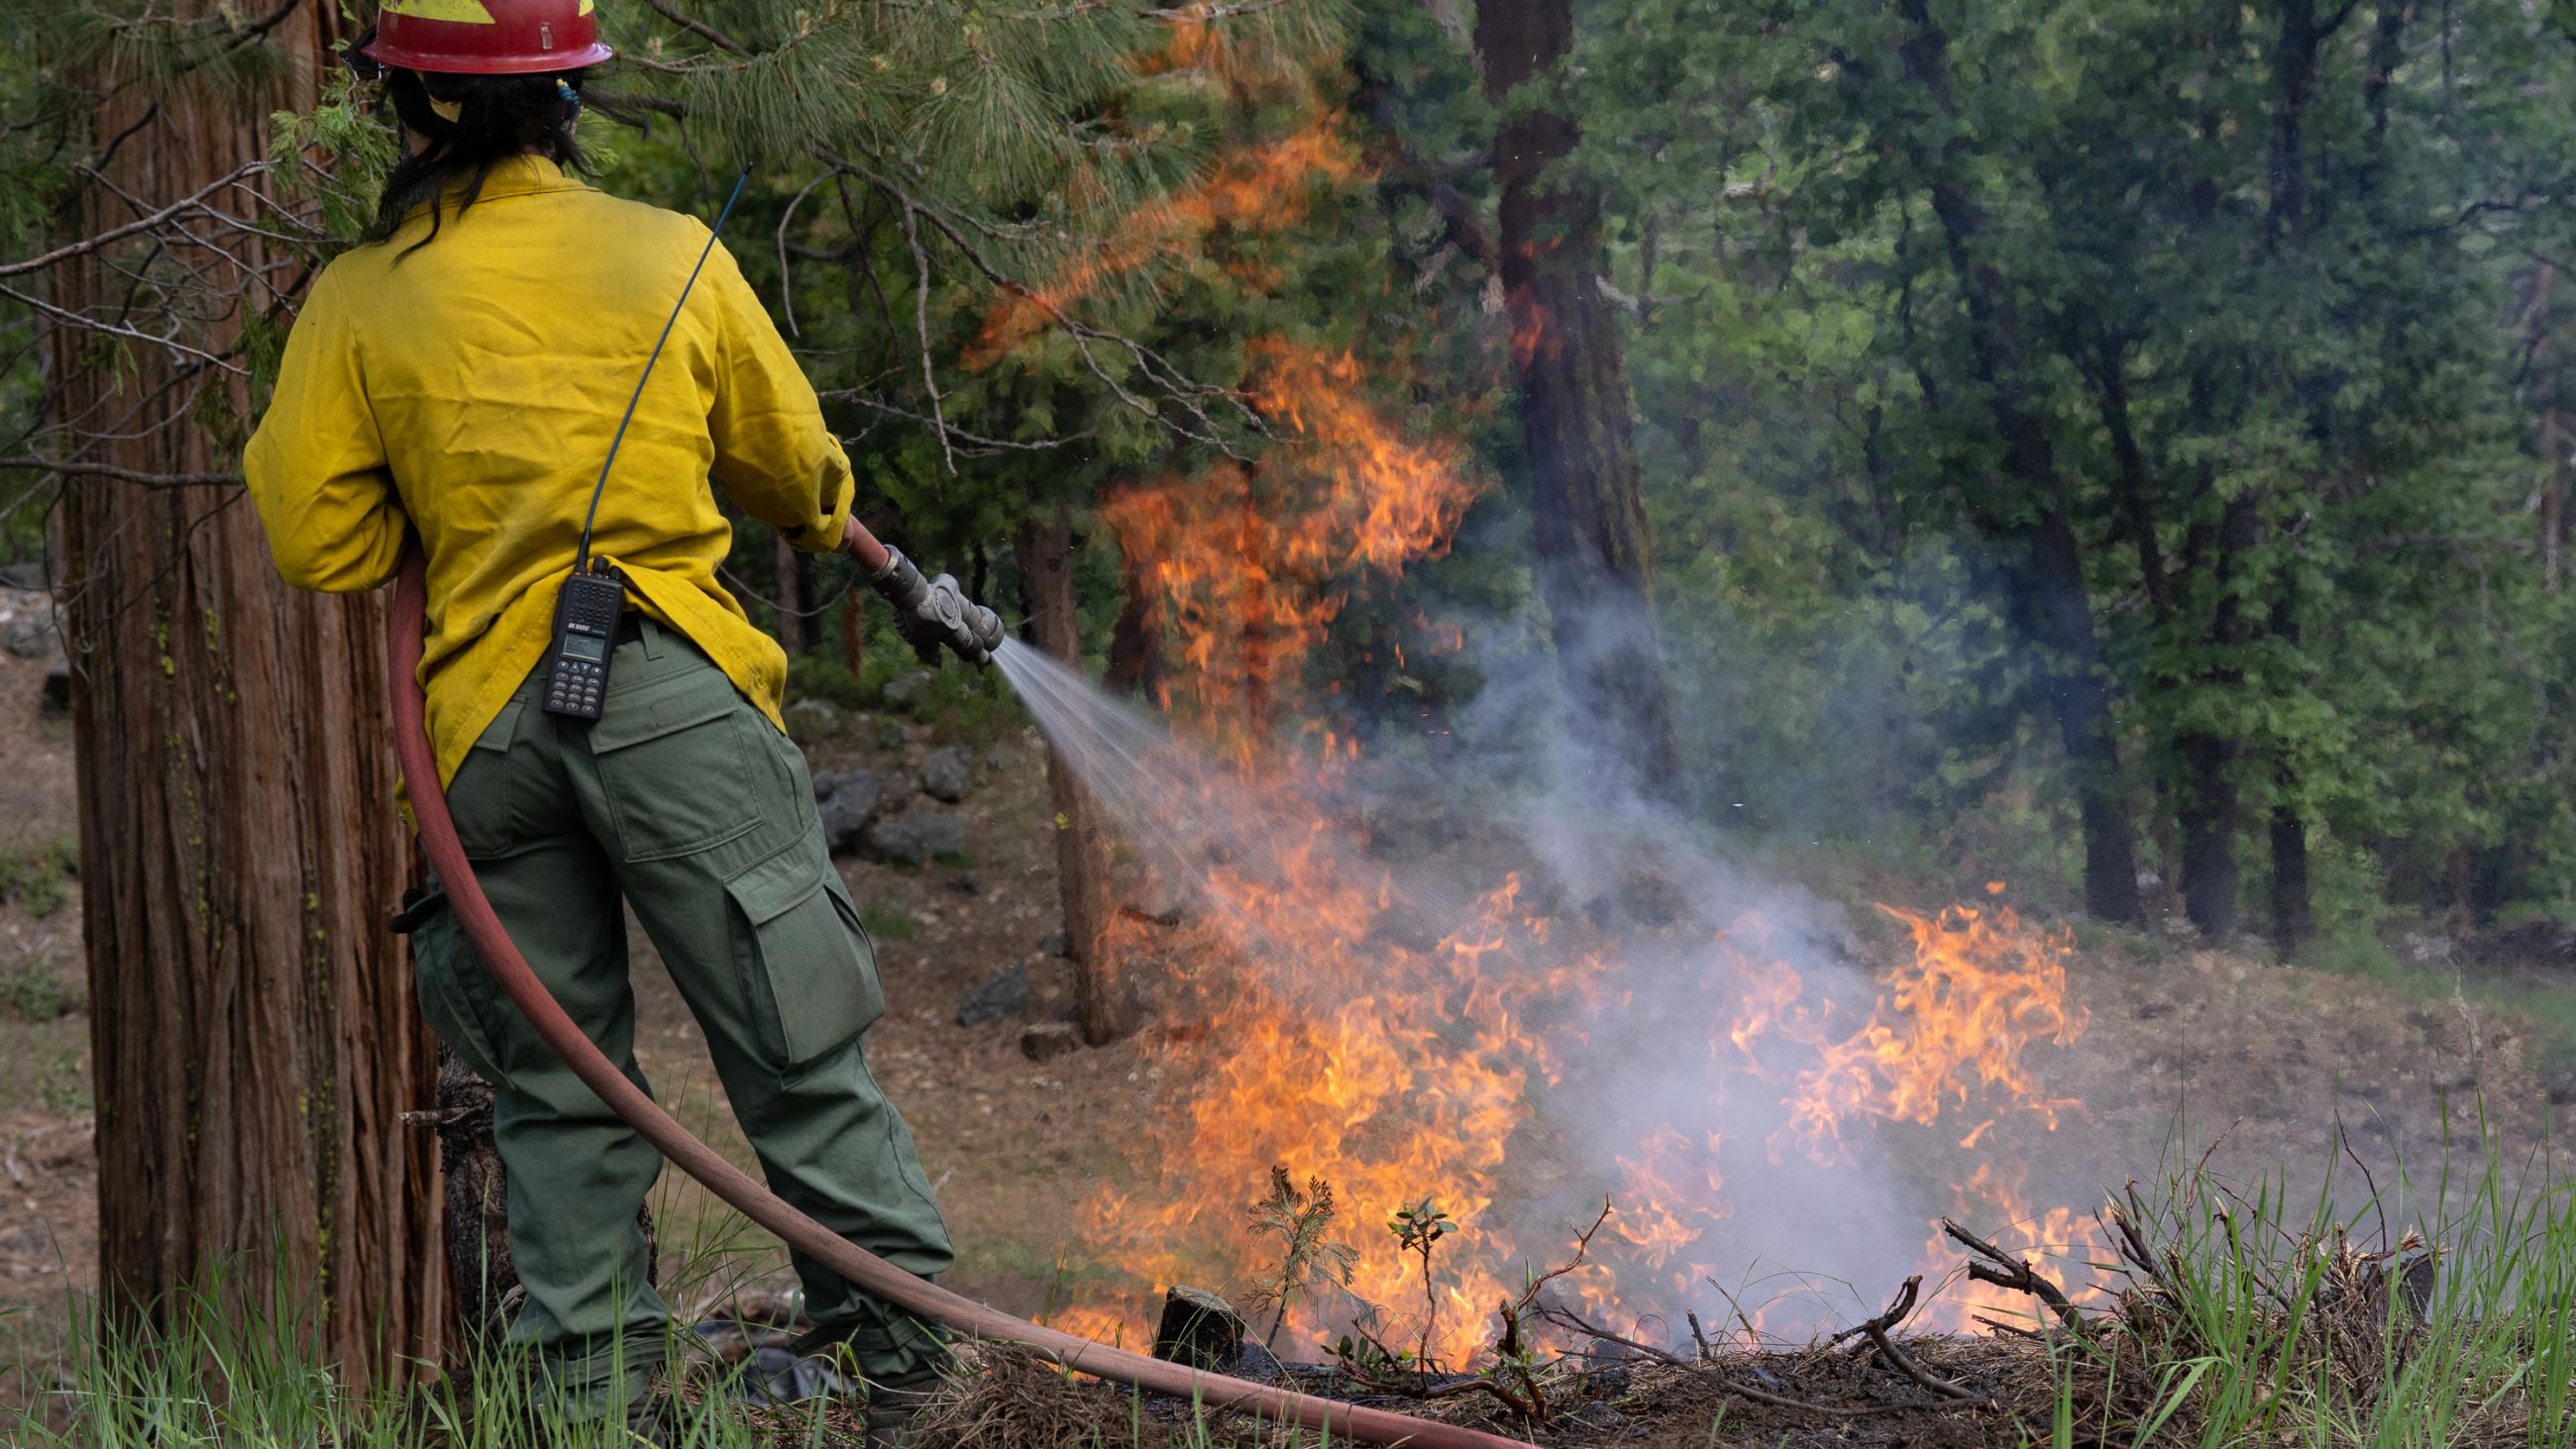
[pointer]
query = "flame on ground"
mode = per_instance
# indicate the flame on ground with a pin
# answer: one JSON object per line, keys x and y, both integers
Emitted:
{"x": 1347, "y": 1023}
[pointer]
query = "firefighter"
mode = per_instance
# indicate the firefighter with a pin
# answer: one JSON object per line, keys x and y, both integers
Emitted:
{"x": 456, "y": 380}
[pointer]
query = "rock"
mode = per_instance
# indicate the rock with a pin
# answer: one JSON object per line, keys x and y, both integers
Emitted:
{"x": 827, "y": 781}
{"x": 58, "y": 686}
{"x": 1054, "y": 944}
{"x": 901, "y": 691}
{"x": 917, "y": 837}
{"x": 29, "y": 631}
{"x": 1256, "y": 1361}
{"x": 967, "y": 883}
{"x": 848, "y": 809}
{"x": 26, "y": 575}
{"x": 1198, "y": 1329}
{"x": 809, "y": 720}
{"x": 1004, "y": 995}
{"x": 1047, "y": 1040}
{"x": 947, "y": 773}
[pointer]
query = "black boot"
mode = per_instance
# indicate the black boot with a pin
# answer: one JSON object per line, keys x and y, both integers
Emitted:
{"x": 894, "y": 1404}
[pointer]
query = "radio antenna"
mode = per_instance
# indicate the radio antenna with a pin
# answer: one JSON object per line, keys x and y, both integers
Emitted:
{"x": 581, "y": 561}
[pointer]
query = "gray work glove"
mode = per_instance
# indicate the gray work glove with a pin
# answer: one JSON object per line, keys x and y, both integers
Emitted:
{"x": 935, "y": 614}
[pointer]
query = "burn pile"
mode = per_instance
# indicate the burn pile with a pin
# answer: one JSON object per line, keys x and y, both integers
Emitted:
{"x": 2307, "y": 1322}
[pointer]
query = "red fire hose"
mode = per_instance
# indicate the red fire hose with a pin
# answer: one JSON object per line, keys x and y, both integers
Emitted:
{"x": 868, "y": 1271}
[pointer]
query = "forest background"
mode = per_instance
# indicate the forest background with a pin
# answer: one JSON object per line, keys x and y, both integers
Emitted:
{"x": 2114, "y": 447}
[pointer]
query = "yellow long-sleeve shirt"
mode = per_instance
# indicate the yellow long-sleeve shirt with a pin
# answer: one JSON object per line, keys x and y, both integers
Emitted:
{"x": 468, "y": 392}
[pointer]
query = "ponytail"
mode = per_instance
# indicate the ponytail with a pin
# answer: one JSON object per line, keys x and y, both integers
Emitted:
{"x": 474, "y": 122}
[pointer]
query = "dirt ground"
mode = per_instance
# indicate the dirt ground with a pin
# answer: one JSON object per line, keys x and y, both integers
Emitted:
{"x": 1012, "y": 1144}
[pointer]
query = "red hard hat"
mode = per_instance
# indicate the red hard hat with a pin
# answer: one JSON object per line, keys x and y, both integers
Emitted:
{"x": 487, "y": 37}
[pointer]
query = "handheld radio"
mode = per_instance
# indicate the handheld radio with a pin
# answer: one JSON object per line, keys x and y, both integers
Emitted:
{"x": 587, "y": 607}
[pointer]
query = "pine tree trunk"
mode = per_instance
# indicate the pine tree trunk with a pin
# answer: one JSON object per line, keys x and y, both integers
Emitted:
{"x": 854, "y": 630}
{"x": 253, "y": 1033}
{"x": 790, "y": 602}
{"x": 1595, "y": 556}
{"x": 2210, "y": 805}
{"x": 1104, "y": 1007}
{"x": 2292, "y": 919}
{"x": 2060, "y": 622}
{"x": 1136, "y": 639}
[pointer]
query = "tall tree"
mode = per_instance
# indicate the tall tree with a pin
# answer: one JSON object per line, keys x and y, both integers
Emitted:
{"x": 1596, "y": 557}
{"x": 253, "y": 1033}
{"x": 2043, "y": 569}
{"x": 1103, "y": 1005}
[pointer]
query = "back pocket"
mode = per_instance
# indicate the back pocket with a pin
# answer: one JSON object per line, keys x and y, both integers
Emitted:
{"x": 807, "y": 968}
{"x": 480, "y": 795}
{"x": 676, "y": 765}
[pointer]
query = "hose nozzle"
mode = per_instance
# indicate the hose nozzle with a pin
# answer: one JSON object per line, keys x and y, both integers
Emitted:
{"x": 935, "y": 613}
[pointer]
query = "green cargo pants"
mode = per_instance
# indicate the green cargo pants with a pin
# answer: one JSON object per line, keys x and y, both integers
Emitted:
{"x": 686, "y": 801}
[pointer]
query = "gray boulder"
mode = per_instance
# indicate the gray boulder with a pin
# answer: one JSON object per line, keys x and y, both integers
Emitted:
{"x": 29, "y": 631}
{"x": 917, "y": 837}
{"x": 1004, "y": 995}
{"x": 26, "y": 575}
{"x": 809, "y": 720}
{"x": 947, "y": 773}
{"x": 848, "y": 809}
{"x": 904, "y": 688}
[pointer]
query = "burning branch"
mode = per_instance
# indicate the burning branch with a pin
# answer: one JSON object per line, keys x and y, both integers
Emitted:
{"x": 1994, "y": 1265}
{"x": 1897, "y": 1312}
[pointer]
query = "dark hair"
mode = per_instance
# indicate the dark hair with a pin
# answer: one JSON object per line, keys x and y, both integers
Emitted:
{"x": 497, "y": 117}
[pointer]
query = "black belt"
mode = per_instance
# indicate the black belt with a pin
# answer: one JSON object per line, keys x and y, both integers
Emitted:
{"x": 630, "y": 627}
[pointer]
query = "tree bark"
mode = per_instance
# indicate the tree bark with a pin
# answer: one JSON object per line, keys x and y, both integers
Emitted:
{"x": 2210, "y": 806}
{"x": 2292, "y": 920}
{"x": 1595, "y": 555}
{"x": 253, "y": 1034}
{"x": 1136, "y": 640}
{"x": 790, "y": 603}
{"x": 1104, "y": 1006}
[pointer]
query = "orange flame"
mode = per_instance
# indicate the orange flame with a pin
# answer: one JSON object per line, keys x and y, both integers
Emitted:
{"x": 1259, "y": 187}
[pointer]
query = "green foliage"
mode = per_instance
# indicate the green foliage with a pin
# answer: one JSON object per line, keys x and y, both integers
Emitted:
{"x": 38, "y": 877}
{"x": 811, "y": 676}
{"x": 1300, "y": 1223}
{"x": 888, "y": 923}
{"x": 33, "y": 991}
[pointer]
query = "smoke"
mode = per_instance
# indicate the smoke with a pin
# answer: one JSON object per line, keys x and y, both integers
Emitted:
{"x": 1612, "y": 1008}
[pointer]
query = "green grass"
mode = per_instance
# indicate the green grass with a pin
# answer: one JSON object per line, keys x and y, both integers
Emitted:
{"x": 2271, "y": 1322}
{"x": 2253, "y": 1320}
{"x": 38, "y": 877}
{"x": 2548, "y": 1012}
{"x": 888, "y": 923}
{"x": 34, "y": 991}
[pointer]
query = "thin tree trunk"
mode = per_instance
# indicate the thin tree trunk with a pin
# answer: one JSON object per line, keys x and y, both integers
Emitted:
{"x": 2292, "y": 920}
{"x": 854, "y": 629}
{"x": 253, "y": 1034}
{"x": 2211, "y": 798}
{"x": 1136, "y": 640}
{"x": 1595, "y": 556}
{"x": 1104, "y": 1007}
{"x": 2059, "y": 618}
{"x": 790, "y": 603}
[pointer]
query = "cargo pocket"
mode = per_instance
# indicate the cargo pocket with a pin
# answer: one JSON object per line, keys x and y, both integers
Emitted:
{"x": 456, "y": 992}
{"x": 807, "y": 967}
{"x": 479, "y": 796}
{"x": 676, "y": 765}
